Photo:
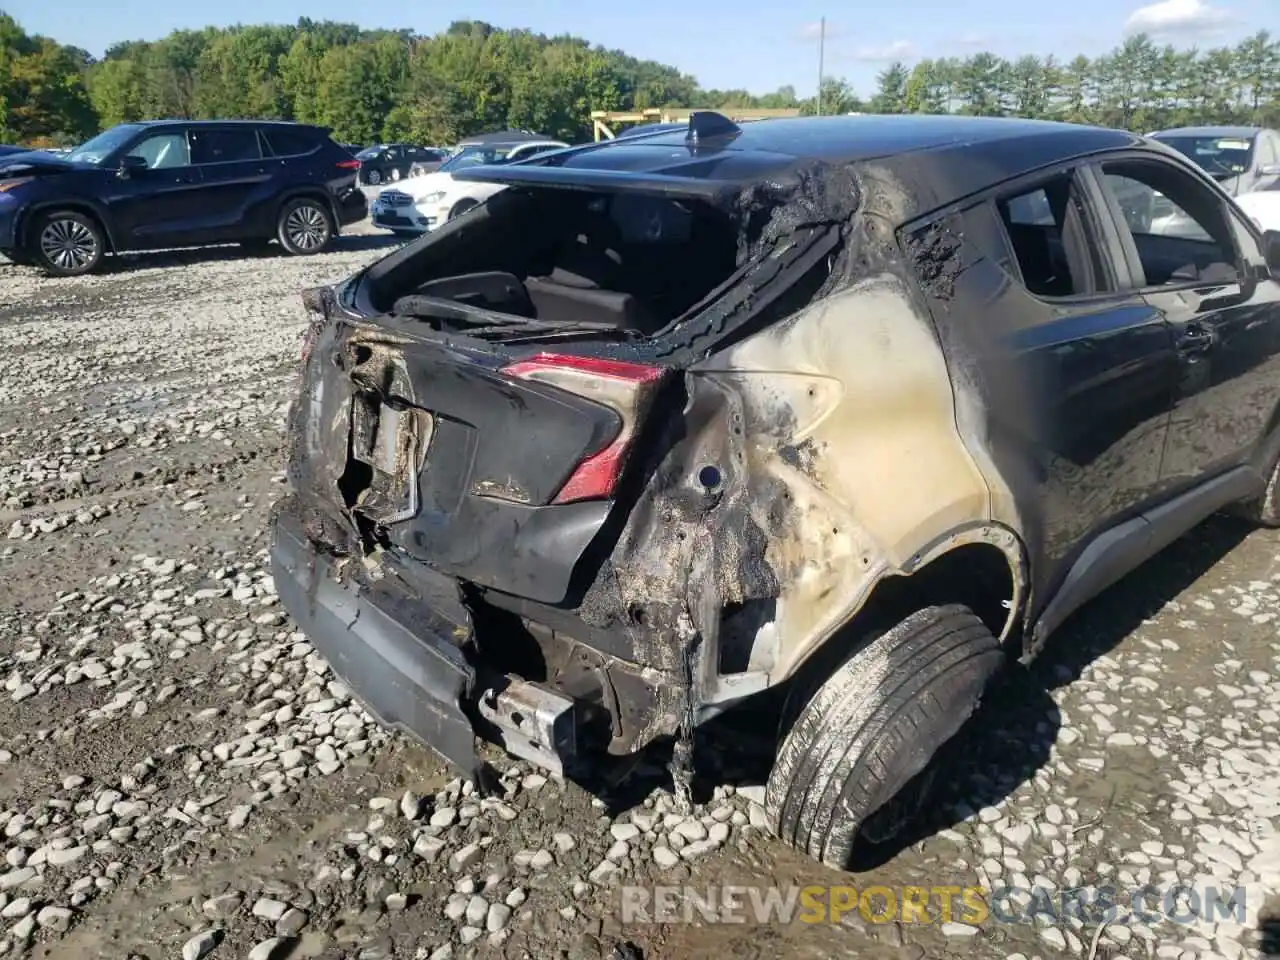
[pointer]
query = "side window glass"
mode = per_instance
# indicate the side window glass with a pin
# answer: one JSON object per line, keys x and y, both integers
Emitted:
{"x": 214, "y": 145}
{"x": 1178, "y": 225}
{"x": 287, "y": 143}
{"x": 1046, "y": 230}
{"x": 1030, "y": 209}
{"x": 163, "y": 151}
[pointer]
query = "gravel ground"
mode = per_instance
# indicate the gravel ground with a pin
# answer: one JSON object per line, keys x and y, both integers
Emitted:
{"x": 181, "y": 776}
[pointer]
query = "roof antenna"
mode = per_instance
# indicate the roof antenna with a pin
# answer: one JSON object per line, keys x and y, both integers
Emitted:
{"x": 705, "y": 124}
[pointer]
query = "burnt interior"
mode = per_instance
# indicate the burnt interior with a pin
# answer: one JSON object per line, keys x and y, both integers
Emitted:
{"x": 621, "y": 261}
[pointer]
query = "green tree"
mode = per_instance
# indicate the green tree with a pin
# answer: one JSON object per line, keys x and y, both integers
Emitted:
{"x": 891, "y": 89}
{"x": 473, "y": 77}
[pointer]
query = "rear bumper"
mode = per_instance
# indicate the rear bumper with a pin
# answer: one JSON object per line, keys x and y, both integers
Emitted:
{"x": 414, "y": 681}
{"x": 352, "y": 208}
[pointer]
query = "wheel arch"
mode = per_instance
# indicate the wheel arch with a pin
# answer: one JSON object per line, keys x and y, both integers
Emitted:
{"x": 79, "y": 205}
{"x": 309, "y": 193}
{"x": 983, "y": 566}
{"x": 463, "y": 204}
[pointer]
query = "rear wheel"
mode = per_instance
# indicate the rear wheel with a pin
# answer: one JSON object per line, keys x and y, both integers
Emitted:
{"x": 305, "y": 227}
{"x": 66, "y": 243}
{"x": 395, "y": 173}
{"x": 858, "y": 763}
{"x": 373, "y": 178}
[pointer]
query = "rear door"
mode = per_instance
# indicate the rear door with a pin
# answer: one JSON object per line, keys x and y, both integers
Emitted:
{"x": 1076, "y": 374}
{"x": 1210, "y": 286}
{"x": 235, "y": 175}
{"x": 161, "y": 205}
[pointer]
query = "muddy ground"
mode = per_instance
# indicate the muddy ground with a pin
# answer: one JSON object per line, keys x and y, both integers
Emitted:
{"x": 180, "y": 776}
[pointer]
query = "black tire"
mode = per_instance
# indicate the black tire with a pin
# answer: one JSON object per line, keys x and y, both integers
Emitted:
{"x": 461, "y": 207}
{"x": 305, "y": 226}
{"x": 874, "y": 726}
{"x": 373, "y": 177}
{"x": 66, "y": 243}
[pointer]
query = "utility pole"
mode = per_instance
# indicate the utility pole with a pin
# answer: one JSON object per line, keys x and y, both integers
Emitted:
{"x": 822, "y": 42}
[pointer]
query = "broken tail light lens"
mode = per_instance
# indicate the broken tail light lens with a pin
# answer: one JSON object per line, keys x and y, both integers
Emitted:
{"x": 626, "y": 388}
{"x": 314, "y": 301}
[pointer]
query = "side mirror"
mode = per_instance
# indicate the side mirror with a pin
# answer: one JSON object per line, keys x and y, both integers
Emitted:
{"x": 130, "y": 164}
{"x": 1269, "y": 170}
{"x": 1271, "y": 251}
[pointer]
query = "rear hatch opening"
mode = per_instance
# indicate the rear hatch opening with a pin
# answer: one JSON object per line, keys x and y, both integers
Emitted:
{"x": 620, "y": 266}
{"x": 473, "y": 400}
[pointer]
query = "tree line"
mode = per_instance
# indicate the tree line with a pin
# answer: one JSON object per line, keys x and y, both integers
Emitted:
{"x": 393, "y": 85}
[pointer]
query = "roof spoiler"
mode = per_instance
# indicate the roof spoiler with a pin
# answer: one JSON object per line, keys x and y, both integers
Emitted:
{"x": 707, "y": 125}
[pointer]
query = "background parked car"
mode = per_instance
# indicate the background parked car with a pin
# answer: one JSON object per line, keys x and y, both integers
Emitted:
{"x": 438, "y": 155}
{"x": 1242, "y": 159}
{"x": 1262, "y": 207}
{"x": 390, "y": 161}
{"x": 176, "y": 183}
{"x": 427, "y": 201}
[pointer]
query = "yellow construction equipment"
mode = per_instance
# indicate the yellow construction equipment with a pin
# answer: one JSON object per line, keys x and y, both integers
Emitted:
{"x": 603, "y": 121}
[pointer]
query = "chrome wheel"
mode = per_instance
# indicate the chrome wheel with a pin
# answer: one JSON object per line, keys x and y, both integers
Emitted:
{"x": 374, "y": 178}
{"x": 307, "y": 228}
{"x": 395, "y": 174}
{"x": 68, "y": 244}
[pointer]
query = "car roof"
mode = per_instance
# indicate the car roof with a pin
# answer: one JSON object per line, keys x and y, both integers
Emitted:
{"x": 938, "y": 159}
{"x": 503, "y": 136}
{"x": 850, "y": 139}
{"x": 289, "y": 124}
{"x": 1223, "y": 131}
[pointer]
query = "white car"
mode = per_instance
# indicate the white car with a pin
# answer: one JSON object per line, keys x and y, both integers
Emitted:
{"x": 1262, "y": 207}
{"x": 420, "y": 204}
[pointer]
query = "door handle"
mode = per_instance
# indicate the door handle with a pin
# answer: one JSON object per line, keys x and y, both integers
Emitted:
{"x": 1195, "y": 339}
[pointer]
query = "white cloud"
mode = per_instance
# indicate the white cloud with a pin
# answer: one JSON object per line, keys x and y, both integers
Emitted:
{"x": 886, "y": 53}
{"x": 1178, "y": 17}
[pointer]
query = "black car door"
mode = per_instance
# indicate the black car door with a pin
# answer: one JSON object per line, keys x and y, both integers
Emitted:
{"x": 1209, "y": 282}
{"x": 158, "y": 205}
{"x": 1075, "y": 376}
{"x": 235, "y": 176}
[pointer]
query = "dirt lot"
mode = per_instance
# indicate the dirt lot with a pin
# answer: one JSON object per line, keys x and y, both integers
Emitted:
{"x": 181, "y": 777}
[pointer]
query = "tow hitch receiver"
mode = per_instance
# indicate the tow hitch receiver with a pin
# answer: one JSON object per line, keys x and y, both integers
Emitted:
{"x": 535, "y": 724}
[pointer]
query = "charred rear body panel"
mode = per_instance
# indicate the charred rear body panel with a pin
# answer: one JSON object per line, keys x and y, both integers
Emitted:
{"x": 783, "y": 475}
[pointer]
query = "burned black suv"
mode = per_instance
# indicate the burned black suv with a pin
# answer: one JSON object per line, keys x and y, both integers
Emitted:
{"x": 848, "y": 409}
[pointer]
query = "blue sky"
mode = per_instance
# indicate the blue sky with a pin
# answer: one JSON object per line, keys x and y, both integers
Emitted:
{"x": 724, "y": 43}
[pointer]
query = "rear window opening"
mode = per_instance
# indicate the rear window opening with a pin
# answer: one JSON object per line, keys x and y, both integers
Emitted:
{"x": 614, "y": 261}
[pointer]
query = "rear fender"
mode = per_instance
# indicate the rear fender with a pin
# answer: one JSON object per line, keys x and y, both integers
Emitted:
{"x": 816, "y": 458}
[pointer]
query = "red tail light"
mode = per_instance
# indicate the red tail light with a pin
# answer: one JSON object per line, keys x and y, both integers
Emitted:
{"x": 348, "y": 164}
{"x": 627, "y": 388}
